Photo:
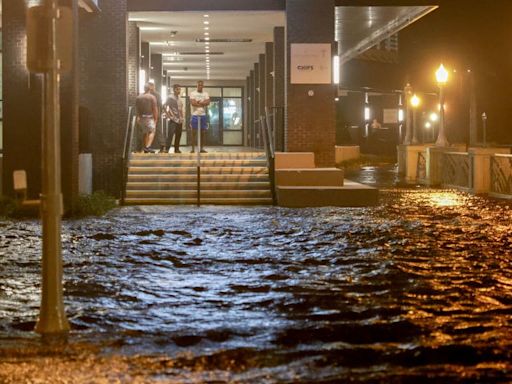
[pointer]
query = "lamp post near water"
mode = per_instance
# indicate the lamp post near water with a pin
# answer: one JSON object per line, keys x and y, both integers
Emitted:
{"x": 415, "y": 102}
{"x": 407, "y": 94}
{"x": 442, "y": 79}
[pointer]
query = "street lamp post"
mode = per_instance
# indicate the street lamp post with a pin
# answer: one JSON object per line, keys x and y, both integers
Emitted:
{"x": 408, "y": 133}
{"x": 442, "y": 78}
{"x": 48, "y": 27}
{"x": 415, "y": 102}
{"x": 484, "y": 128}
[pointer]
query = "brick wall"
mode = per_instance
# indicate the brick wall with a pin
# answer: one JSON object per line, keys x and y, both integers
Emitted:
{"x": 104, "y": 90}
{"x": 133, "y": 61}
{"x": 22, "y": 100}
{"x": 311, "y": 124}
{"x": 69, "y": 97}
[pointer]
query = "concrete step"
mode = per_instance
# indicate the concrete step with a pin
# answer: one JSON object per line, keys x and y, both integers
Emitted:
{"x": 218, "y": 178}
{"x": 204, "y": 201}
{"x": 222, "y": 186}
{"x": 193, "y": 163}
{"x": 310, "y": 177}
{"x": 193, "y": 156}
{"x": 193, "y": 170}
{"x": 351, "y": 194}
{"x": 180, "y": 194}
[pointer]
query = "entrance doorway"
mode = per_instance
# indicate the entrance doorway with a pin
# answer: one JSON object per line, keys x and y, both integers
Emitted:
{"x": 225, "y": 116}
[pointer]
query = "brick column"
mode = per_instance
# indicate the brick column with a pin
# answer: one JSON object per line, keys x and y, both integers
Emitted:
{"x": 156, "y": 71}
{"x": 145, "y": 59}
{"x": 262, "y": 85}
{"x": 256, "y": 103}
{"x": 104, "y": 90}
{"x": 269, "y": 80}
{"x": 247, "y": 110}
{"x": 279, "y": 85}
{"x": 133, "y": 61}
{"x": 250, "y": 94}
{"x": 311, "y": 124}
{"x": 69, "y": 100}
{"x": 22, "y": 94}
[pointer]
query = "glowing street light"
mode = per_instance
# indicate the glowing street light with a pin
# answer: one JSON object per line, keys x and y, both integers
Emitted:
{"x": 442, "y": 79}
{"x": 415, "y": 102}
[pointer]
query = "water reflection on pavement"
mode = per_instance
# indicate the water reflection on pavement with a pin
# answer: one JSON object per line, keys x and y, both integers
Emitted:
{"x": 418, "y": 288}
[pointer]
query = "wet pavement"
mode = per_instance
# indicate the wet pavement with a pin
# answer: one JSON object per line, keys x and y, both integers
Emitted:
{"x": 417, "y": 289}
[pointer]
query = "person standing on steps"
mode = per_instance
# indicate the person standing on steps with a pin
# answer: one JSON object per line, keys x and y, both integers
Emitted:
{"x": 174, "y": 110}
{"x": 159, "y": 125}
{"x": 199, "y": 101}
{"x": 147, "y": 116}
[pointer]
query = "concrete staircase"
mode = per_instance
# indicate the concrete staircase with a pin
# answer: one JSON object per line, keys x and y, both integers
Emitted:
{"x": 240, "y": 178}
{"x": 300, "y": 184}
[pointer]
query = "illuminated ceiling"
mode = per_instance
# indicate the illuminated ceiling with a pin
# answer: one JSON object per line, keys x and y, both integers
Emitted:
{"x": 238, "y": 37}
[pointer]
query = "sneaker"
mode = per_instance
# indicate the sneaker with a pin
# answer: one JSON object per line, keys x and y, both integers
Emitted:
{"x": 177, "y": 151}
{"x": 147, "y": 150}
{"x": 163, "y": 150}
{"x": 203, "y": 151}
{"x": 192, "y": 151}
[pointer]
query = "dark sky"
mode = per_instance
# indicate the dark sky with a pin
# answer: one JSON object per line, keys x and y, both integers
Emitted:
{"x": 465, "y": 34}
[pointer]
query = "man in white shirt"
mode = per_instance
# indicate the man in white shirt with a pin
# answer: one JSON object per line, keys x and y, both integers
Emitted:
{"x": 199, "y": 100}
{"x": 174, "y": 111}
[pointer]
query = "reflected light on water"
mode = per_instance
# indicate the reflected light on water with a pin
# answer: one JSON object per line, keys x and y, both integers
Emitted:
{"x": 446, "y": 199}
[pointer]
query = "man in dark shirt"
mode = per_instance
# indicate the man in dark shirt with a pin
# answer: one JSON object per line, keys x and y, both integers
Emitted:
{"x": 173, "y": 108}
{"x": 147, "y": 116}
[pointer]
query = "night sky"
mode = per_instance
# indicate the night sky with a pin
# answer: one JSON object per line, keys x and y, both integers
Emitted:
{"x": 466, "y": 34}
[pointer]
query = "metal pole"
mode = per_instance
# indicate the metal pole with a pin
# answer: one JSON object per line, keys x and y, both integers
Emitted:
{"x": 52, "y": 317}
{"x": 414, "y": 127}
{"x": 441, "y": 137}
{"x": 407, "y": 96}
{"x": 198, "y": 133}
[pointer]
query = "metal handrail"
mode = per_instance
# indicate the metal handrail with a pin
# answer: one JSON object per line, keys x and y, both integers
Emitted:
{"x": 128, "y": 143}
{"x": 127, "y": 132}
{"x": 279, "y": 145}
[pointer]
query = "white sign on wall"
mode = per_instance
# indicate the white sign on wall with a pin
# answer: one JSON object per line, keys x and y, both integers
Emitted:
{"x": 390, "y": 116}
{"x": 310, "y": 64}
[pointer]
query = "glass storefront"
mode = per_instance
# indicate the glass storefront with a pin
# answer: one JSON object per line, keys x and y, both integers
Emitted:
{"x": 225, "y": 115}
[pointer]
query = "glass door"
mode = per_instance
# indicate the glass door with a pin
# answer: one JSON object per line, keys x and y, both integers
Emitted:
{"x": 214, "y": 132}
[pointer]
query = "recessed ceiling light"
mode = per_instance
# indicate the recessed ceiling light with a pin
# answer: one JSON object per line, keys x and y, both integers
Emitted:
{"x": 206, "y": 28}
{"x": 206, "y": 22}
{"x": 206, "y": 15}
{"x": 207, "y": 38}
{"x": 206, "y": 33}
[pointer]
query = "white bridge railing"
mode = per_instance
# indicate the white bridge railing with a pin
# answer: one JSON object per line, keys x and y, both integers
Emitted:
{"x": 457, "y": 170}
{"x": 501, "y": 176}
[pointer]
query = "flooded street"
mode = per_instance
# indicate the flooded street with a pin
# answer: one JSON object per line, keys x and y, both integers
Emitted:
{"x": 416, "y": 289}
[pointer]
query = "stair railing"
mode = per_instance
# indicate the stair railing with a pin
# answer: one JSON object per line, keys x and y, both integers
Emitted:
{"x": 198, "y": 134}
{"x": 266, "y": 134}
{"x": 128, "y": 145}
{"x": 277, "y": 122}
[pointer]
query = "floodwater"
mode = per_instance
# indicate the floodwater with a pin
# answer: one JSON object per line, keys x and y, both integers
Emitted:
{"x": 417, "y": 289}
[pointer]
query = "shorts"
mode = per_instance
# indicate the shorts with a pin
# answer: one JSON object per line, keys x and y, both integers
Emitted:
{"x": 147, "y": 124}
{"x": 194, "y": 122}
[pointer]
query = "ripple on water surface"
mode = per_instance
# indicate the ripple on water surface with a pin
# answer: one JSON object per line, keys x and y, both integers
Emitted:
{"x": 419, "y": 287}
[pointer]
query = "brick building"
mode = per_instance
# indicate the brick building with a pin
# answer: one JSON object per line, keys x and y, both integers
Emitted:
{"x": 113, "y": 46}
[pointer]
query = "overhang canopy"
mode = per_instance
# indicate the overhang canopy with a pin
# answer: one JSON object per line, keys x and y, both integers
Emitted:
{"x": 176, "y": 29}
